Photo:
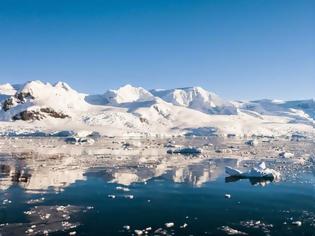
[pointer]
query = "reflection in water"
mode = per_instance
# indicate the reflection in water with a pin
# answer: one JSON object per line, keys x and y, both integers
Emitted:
{"x": 36, "y": 173}
{"x": 33, "y": 175}
{"x": 254, "y": 181}
{"x": 196, "y": 175}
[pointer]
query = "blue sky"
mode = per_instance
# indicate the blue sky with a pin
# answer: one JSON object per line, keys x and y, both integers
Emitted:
{"x": 240, "y": 49}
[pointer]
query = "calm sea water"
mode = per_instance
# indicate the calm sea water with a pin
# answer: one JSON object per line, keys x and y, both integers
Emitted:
{"x": 197, "y": 200}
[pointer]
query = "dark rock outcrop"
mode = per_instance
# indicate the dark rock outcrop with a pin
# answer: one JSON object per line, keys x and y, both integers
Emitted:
{"x": 18, "y": 98}
{"x": 39, "y": 115}
{"x": 22, "y": 96}
{"x": 8, "y": 104}
{"x": 53, "y": 113}
{"x": 28, "y": 115}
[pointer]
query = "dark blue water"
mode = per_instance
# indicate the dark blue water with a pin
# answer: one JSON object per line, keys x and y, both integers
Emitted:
{"x": 160, "y": 200}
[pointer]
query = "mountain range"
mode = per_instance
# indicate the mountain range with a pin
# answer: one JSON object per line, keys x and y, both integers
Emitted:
{"x": 134, "y": 111}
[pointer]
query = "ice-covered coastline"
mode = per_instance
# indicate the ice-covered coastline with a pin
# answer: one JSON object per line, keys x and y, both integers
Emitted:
{"x": 42, "y": 109}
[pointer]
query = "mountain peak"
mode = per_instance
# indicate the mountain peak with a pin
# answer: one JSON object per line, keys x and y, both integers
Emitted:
{"x": 127, "y": 94}
{"x": 62, "y": 85}
{"x": 197, "y": 98}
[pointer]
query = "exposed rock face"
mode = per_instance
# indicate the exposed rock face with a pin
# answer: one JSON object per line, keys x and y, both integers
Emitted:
{"x": 39, "y": 115}
{"x": 22, "y": 96}
{"x": 8, "y": 104}
{"x": 54, "y": 114}
{"x": 28, "y": 115}
{"x": 18, "y": 98}
{"x": 144, "y": 120}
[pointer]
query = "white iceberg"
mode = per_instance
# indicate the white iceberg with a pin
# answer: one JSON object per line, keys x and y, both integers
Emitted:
{"x": 261, "y": 171}
{"x": 286, "y": 155}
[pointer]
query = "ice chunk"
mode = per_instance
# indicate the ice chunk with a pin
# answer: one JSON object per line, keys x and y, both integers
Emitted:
{"x": 183, "y": 226}
{"x": 286, "y": 155}
{"x": 126, "y": 227}
{"x": 138, "y": 232}
{"x": 230, "y": 231}
{"x": 297, "y": 223}
{"x": 256, "y": 172}
{"x": 262, "y": 165}
{"x": 233, "y": 172}
{"x": 169, "y": 225}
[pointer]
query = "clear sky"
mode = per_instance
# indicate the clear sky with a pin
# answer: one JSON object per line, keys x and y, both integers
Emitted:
{"x": 240, "y": 49}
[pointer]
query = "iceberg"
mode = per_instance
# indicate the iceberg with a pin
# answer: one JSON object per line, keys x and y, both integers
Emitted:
{"x": 260, "y": 171}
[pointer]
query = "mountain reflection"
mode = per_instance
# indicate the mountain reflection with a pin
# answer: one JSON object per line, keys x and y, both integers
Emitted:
{"x": 40, "y": 173}
{"x": 33, "y": 175}
{"x": 254, "y": 181}
{"x": 54, "y": 172}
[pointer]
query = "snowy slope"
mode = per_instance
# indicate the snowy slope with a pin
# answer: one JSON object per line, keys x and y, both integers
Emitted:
{"x": 197, "y": 98}
{"x": 35, "y": 96}
{"x": 128, "y": 94}
{"x": 298, "y": 111}
{"x": 7, "y": 90}
{"x": 131, "y": 111}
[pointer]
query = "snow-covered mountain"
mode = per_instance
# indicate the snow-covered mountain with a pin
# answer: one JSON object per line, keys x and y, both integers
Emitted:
{"x": 128, "y": 94}
{"x": 7, "y": 90}
{"x": 299, "y": 111}
{"x": 37, "y": 106}
{"x": 38, "y": 100}
{"x": 197, "y": 98}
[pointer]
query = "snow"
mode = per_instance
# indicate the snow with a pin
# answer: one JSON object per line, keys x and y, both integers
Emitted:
{"x": 298, "y": 111}
{"x": 134, "y": 111}
{"x": 128, "y": 94}
{"x": 7, "y": 89}
{"x": 197, "y": 98}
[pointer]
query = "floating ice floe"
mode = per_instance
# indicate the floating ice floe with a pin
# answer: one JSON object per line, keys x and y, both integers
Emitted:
{"x": 126, "y": 227}
{"x": 252, "y": 142}
{"x": 185, "y": 151}
{"x": 230, "y": 231}
{"x": 183, "y": 226}
{"x": 138, "y": 232}
{"x": 129, "y": 196}
{"x": 261, "y": 171}
{"x": 286, "y": 155}
{"x": 83, "y": 137}
{"x": 297, "y": 223}
{"x": 123, "y": 189}
{"x": 169, "y": 225}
